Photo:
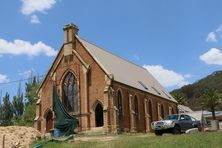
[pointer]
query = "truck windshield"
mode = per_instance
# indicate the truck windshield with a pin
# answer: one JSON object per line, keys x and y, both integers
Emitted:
{"x": 172, "y": 117}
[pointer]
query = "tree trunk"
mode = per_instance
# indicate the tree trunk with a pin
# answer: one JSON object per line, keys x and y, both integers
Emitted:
{"x": 213, "y": 113}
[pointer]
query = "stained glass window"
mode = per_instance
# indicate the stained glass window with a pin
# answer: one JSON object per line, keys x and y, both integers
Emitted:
{"x": 70, "y": 93}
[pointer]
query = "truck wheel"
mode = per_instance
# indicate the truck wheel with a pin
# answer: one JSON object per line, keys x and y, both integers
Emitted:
{"x": 176, "y": 129}
{"x": 158, "y": 133}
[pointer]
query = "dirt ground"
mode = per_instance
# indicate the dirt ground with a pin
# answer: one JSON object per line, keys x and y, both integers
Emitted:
{"x": 18, "y": 136}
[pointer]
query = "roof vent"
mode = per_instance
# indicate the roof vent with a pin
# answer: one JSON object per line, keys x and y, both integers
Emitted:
{"x": 156, "y": 90}
{"x": 144, "y": 86}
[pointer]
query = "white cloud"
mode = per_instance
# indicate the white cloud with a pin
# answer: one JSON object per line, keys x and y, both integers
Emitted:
{"x": 211, "y": 37}
{"x": 20, "y": 47}
{"x": 3, "y": 78}
{"x": 213, "y": 56}
{"x": 168, "y": 78}
{"x": 35, "y": 19}
{"x": 32, "y": 6}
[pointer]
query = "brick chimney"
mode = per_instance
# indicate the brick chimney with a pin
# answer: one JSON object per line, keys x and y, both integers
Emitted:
{"x": 70, "y": 30}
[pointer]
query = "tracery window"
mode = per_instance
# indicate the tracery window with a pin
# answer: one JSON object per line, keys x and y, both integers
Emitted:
{"x": 70, "y": 93}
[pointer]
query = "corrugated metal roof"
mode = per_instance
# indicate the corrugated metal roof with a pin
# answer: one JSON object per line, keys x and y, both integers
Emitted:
{"x": 126, "y": 72}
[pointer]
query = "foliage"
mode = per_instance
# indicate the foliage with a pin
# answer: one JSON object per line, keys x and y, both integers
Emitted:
{"x": 7, "y": 111}
{"x": 180, "y": 98}
{"x": 30, "y": 108}
{"x": 199, "y": 140}
{"x": 29, "y": 115}
{"x": 211, "y": 99}
{"x": 17, "y": 112}
{"x": 1, "y": 115}
{"x": 18, "y": 106}
{"x": 192, "y": 93}
{"x": 31, "y": 89}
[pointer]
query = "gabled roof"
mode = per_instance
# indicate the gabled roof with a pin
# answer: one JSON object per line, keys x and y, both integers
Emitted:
{"x": 126, "y": 72}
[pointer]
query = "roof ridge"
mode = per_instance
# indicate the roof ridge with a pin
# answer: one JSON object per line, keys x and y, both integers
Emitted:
{"x": 114, "y": 54}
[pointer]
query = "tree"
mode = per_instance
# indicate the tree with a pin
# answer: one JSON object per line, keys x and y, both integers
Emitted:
{"x": 180, "y": 98}
{"x": 18, "y": 106}
{"x": 29, "y": 115}
{"x": 7, "y": 111}
{"x": 193, "y": 93}
{"x": 30, "y": 107}
{"x": 1, "y": 107}
{"x": 211, "y": 99}
{"x": 19, "y": 93}
{"x": 1, "y": 116}
{"x": 31, "y": 89}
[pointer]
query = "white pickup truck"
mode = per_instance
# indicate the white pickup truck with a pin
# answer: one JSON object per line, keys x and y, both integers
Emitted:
{"x": 175, "y": 123}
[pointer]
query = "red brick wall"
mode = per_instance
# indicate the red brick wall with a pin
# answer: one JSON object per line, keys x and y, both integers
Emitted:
{"x": 95, "y": 92}
{"x": 95, "y": 88}
{"x": 124, "y": 122}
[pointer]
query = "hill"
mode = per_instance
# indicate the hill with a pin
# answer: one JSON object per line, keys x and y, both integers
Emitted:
{"x": 192, "y": 92}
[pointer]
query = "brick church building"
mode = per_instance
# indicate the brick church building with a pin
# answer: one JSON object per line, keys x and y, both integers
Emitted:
{"x": 101, "y": 90}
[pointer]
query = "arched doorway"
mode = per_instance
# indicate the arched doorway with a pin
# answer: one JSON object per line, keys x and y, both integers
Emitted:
{"x": 99, "y": 115}
{"x": 49, "y": 121}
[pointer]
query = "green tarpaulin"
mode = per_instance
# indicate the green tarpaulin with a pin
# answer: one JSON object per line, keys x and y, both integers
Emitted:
{"x": 64, "y": 121}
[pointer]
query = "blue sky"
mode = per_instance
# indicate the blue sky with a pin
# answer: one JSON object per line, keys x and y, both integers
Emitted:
{"x": 179, "y": 42}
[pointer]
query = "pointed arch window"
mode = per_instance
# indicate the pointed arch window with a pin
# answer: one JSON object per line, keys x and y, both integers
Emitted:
{"x": 70, "y": 93}
{"x": 136, "y": 109}
{"x": 119, "y": 103}
{"x": 149, "y": 110}
{"x": 162, "y": 111}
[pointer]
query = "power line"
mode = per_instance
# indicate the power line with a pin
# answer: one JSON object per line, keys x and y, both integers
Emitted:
{"x": 16, "y": 81}
{"x": 39, "y": 76}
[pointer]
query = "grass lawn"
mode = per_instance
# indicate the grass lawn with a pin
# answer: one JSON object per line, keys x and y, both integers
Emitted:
{"x": 200, "y": 140}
